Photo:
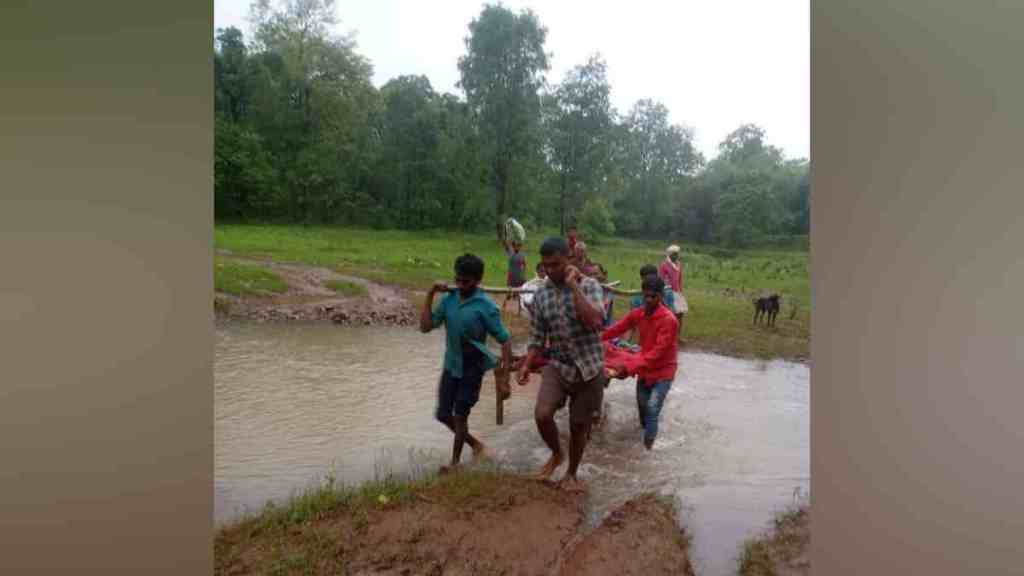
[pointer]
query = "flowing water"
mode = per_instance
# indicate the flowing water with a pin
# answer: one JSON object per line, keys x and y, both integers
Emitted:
{"x": 294, "y": 402}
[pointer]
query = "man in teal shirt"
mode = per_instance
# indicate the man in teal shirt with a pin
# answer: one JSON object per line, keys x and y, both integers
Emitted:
{"x": 468, "y": 316}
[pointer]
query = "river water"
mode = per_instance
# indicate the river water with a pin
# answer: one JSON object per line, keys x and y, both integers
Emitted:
{"x": 296, "y": 401}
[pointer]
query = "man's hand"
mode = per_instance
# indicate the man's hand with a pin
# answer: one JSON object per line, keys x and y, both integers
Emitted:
{"x": 439, "y": 287}
{"x": 572, "y": 276}
{"x": 614, "y": 372}
{"x": 523, "y": 375}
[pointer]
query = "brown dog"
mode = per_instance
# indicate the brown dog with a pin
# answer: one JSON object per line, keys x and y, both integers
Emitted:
{"x": 766, "y": 308}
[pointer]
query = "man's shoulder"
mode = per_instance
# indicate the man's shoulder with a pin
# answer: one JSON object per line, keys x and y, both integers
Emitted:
{"x": 667, "y": 316}
{"x": 485, "y": 301}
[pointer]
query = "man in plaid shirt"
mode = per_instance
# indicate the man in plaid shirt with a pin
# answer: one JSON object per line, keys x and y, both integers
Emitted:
{"x": 568, "y": 315}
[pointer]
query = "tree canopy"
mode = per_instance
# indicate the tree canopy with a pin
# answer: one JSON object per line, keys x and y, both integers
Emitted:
{"x": 302, "y": 135}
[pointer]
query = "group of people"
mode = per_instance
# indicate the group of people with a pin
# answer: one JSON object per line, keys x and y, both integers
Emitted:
{"x": 573, "y": 342}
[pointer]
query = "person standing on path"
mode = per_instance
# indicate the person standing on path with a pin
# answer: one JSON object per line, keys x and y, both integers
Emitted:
{"x": 568, "y": 314}
{"x": 655, "y": 366}
{"x": 671, "y": 272}
{"x": 516, "y": 272}
{"x": 468, "y": 316}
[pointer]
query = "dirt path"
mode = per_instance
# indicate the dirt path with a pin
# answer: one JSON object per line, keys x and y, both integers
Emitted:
{"x": 309, "y": 298}
{"x": 491, "y": 525}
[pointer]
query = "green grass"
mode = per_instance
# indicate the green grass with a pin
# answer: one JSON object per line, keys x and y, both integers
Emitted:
{"x": 718, "y": 286}
{"x": 347, "y": 288}
{"x": 245, "y": 279}
{"x": 785, "y": 544}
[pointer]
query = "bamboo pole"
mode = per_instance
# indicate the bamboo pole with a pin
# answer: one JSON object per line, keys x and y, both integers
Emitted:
{"x": 507, "y": 290}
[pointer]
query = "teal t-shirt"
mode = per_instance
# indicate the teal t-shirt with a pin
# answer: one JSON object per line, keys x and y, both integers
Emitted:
{"x": 469, "y": 321}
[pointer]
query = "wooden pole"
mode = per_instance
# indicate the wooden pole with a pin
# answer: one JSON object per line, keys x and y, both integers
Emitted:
{"x": 507, "y": 290}
{"x": 501, "y": 392}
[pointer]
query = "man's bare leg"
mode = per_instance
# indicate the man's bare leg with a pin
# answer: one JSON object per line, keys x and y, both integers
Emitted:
{"x": 577, "y": 443}
{"x": 549, "y": 433}
{"x": 479, "y": 449}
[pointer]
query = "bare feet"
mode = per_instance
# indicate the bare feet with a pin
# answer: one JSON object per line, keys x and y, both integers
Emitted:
{"x": 450, "y": 469}
{"x": 549, "y": 468}
{"x": 572, "y": 485}
{"x": 482, "y": 453}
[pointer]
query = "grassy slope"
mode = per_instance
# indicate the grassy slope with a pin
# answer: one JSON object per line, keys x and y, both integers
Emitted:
{"x": 245, "y": 279}
{"x": 719, "y": 321}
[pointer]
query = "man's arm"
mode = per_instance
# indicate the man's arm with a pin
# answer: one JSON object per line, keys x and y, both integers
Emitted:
{"x": 620, "y": 327}
{"x": 428, "y": 318}
{"x": 494, "y": 325}
{"x": 538, "y": 337}
{"x": 588, "y": 301}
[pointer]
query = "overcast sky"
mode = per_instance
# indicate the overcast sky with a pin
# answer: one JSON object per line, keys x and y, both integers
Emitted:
{"x": 716, "y": 64}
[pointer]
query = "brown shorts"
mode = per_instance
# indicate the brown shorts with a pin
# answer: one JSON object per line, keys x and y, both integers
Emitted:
{"x": 585, "y": 398}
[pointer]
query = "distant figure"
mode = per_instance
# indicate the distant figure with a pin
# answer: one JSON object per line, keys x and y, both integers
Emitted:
{"x": 671, "y": 272}
{"x": 468, "y": 316}
{"x": 609, "y": 295}
{"x": 526, "y": 301}
{"x": 583, "y": 262}
{"x": 655, "y": 365}
{"x": 516, "y": 271}
{"x": 572, "y": 237}
{"x": 667, "y": 297}
{"x": 568, "y": 313}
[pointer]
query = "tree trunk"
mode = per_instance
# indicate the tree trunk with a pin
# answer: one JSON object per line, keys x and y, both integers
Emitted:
{"x": 500, "y": 184}
{"x": 561, "y": 207}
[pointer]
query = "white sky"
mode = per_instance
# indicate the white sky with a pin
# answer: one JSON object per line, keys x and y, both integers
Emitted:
{"x": 715, "y": 64}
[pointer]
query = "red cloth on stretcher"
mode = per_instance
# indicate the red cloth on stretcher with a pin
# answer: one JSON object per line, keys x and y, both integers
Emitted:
{"x": 613, "y": 357}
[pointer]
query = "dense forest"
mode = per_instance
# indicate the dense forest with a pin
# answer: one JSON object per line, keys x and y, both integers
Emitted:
{"x": 303, "y": 136}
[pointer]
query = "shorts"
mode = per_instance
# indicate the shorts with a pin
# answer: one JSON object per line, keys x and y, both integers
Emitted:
{"x": 457, "y": 396}
{"x": 585, "y": 397}
{"x": 681, "y": 307}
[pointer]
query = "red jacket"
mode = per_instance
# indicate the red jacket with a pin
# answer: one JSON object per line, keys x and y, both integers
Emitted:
{"x": 659, "y": 344}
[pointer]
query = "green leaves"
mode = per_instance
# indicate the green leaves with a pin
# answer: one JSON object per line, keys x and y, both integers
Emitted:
{"x": 502, "y": 73}
{"x": 302, "y": 135}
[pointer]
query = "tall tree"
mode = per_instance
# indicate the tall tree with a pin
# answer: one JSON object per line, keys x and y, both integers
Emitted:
{"x": 659, "y": 160}
{"x": 319, "y": 108}
{"x": 578, "y": 126}
{"x": 502, "y": 73}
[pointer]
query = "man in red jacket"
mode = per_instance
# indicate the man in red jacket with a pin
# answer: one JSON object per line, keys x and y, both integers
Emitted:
{"x": 655, "y": 365}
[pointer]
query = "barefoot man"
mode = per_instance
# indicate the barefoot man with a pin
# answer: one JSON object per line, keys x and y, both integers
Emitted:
{"x": 568, "y": 314}
{"x": 468, "y": 316}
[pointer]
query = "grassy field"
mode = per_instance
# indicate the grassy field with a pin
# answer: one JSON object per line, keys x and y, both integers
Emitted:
{"x": 718, "y": 282}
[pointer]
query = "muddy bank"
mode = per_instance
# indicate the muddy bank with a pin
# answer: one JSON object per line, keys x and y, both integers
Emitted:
{"x": 309, "y": 297}
{"x": 467, "y": 523}
{"x": 640, "y": 537}
{"x": 783, "y": 550}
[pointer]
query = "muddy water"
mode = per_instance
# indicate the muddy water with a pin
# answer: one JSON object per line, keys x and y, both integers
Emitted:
{"x": 294, "y": 402}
